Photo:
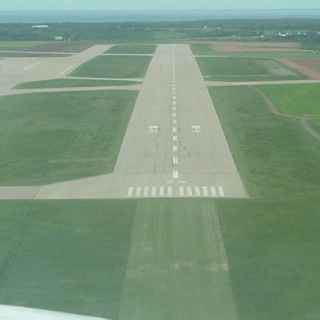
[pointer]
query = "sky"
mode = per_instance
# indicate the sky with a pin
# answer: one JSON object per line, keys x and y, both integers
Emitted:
{"x": 155, "y": 4}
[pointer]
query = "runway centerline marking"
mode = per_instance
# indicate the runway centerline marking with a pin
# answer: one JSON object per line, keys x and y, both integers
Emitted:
{"x": 175, "y": 148}
{"x": 175, "y": 138}
{"x": 175, "y": 160}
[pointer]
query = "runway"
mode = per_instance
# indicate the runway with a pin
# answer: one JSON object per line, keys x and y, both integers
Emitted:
{"x": 174, "y": 145}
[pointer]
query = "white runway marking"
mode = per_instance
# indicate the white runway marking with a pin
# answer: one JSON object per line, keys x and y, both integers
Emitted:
{"x": 175, "y": 138}
{"x": 221, "y": 191}
{"x": 66, "y": 71}
{"x": 175, "y": 174}
{"x": 174, "y": 122}
{"x": 196, "y": 129}
{"x": 205, "y": 191}
{"x": 213, "y": 191}
{"x": 130, "y": 192}
{"x": 178, "y": 190}
{"x": 154, "y": 129}
{"x": 189, "y": 191}
{"x": 197, "y": 191}
{"x": 174, "y": 103}
{"x": 175, "y": 148}
{"x": 174, "y": 115}
{"x": 29, "y": 67}
{"x": 174, "y": 129}
{"x": 146, "y": 191}
{"x": 175, "y": 160}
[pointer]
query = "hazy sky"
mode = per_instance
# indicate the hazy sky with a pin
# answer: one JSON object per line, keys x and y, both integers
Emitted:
{"x": 157, "y": 4}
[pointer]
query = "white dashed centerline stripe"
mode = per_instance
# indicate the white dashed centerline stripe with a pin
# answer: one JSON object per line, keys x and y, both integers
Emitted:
{"x": 174, "y": 130}
{"x": 175, "y": 148}
{"x": 175, "y": 174}
{"x": 175, "y": 160}
{"x": 175, "y": 138}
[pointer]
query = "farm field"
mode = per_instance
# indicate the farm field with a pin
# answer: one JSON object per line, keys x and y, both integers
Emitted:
{"x": 56, "y": 46}
{"x": 277, "y": 158}
{"x": 297, "y": 100}
{"x": 201, "y": 49}
{"x": 244, "y": 69}
{"x": 64, "y": 83}
{"x": 114, "y": 67}
{"x": 133, "y": 49}
{"x": 50, "y": 137}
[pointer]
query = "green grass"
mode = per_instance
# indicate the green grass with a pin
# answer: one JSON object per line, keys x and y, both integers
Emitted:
{"x": 63, "y": 83}
{"x": 68, "y": 256}
{"x": 51, "y": 137}
{"x": 244, "y": 69}
{"x": 201, "y": 49}
{"x": 272, "y": 55}
{"x": 161, "y": 258}
{"x": 272, "y": 250}
{"x": 20, "y": 45}
{"x": 114, "y": 67}
{"x": 133, "y": 49}
{"x": 276, "y": 156}
{"x": 295, "y": 100}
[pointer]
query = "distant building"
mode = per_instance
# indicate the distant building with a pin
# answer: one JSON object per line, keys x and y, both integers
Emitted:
{"x": 58, "y": 38}
{"x": 40, "y": 26}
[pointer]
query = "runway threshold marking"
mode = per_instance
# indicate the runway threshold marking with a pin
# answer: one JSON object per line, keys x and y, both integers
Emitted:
{"x": 177, "y": 190}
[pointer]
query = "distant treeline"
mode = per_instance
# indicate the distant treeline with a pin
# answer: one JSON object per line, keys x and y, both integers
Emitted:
{"x": 306, "y": 30}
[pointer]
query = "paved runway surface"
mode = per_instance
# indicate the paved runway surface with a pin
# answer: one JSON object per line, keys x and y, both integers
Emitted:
{"x": 18, "y": 70}
{"x": 174, "y": 145}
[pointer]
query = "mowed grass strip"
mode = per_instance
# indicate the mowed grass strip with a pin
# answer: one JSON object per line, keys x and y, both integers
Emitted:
{"x": 272, "y": 248}
{"x": 277, "y": 158}
{"x": 20, "y": 45}
{"x": 70, "y": 83}
{"x": 133, "y": 49}
{"x": 177, "y": 268}
{"x": 68, "y": 256}
{"x": 51, "y": 137}
{"x": 298, "y": 100}
{"x": 114, "y": 67}
{"x": 244, "y": 69}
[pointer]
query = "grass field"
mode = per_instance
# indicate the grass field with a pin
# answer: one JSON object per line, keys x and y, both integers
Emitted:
{"x": 133, "y": 49}
{"x": 59, "y": 136}
{"x": 272, "y": 55}
{"x": 276, "y": 156}
{"x": 201, "y": 49}
{"x": 272, "y": 249}
{"x": 64, "y": 83}
{"x": 295, "y": 100}
{"x": 66, "y": 256}
{"x": 244, "y": 69}
{"x": 20, "y": 45}
{"x": 114, "y": 67}
{"x": 162, "y": 258}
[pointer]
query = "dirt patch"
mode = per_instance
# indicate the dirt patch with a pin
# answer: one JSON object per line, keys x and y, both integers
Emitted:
{"x": 238, "y": 46}
{"x": 306, "y": 67}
